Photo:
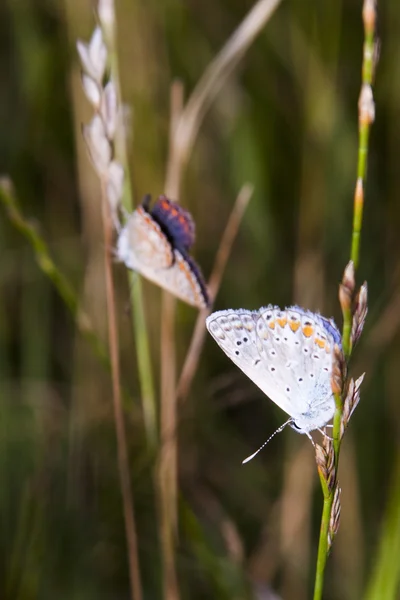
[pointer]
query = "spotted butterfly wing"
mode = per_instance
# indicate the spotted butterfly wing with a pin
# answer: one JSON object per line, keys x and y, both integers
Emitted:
{"x": 298, "y": 348}
{"x": 144, "y": 246}
{"x": 235, "y": 332}
{"x": 287, "y": 354}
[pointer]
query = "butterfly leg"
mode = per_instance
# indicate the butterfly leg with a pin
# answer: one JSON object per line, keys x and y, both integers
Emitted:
{"x": 310, "y": 438}
{"x": 325, "y": 434}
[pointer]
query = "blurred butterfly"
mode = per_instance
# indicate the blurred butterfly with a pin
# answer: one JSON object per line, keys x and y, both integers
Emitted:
{"x": 288, "y": 354}
{"x": 156, "y": 241}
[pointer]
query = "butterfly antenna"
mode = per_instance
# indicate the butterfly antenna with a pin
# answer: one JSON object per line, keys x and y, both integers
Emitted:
{"x": 249, "y": 458}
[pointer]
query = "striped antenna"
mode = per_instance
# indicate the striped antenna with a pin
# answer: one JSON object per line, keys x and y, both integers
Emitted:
{"x": 249, "y": 458}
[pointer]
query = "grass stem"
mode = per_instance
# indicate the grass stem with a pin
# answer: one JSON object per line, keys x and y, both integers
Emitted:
{"x": 221, "y": 259}
{"x": 123, "y": 460}
{"x": 50, "y": 269}
{"x": 185, "y": 122}
{"x": 366, "y": 117}
{"x": 140, "y": 332}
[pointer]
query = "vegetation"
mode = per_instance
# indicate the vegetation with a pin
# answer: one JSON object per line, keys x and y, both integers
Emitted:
{"x": 120, "y": 446}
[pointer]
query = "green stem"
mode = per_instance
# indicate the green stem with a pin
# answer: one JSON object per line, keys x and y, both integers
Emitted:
{"x": 58, "y": 279}
{"x": 323, "y": 547}
{"x": 144, "y": 363}
{"x": 346, "y": 333}
{"x": 140, "y": 332}
{"x": 365, "y": 120}
{"x": 364, "y": 129}
{"x": 337, "y": 419}
{"x": 50, "y": 269}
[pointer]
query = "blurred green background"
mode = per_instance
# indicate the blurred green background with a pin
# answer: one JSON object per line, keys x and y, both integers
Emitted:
{"x": 287, "y": 122}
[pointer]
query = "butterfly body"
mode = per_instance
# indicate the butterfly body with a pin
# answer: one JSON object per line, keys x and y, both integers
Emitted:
{"x": 287, "y": 354}
{"x": 156, "y": 243}
{"x": 175, "y": 222}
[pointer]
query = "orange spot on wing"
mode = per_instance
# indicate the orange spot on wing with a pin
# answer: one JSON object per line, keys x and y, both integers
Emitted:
{"x": 320, "y": 343}
{"x": 271, "y": 324}
{"x": 294, "y": 325}
{"x": 149, "y": 220}
{"x": 282, "y": 322}
{"x": 308, "y": 330}
{"x": 182, "y": 222}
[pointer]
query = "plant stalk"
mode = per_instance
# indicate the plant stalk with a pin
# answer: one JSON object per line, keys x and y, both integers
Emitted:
{"x": 122, "y": 448}
{"x": 184, "y": 126}
{"x": 366, "y": 117}
{"x": 140, "y": 332}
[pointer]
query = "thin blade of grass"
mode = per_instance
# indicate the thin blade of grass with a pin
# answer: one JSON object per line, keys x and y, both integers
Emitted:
{"x": 184, "y": 126}
{"x": 122, "y": 447}
{"x": 221, "y": 259}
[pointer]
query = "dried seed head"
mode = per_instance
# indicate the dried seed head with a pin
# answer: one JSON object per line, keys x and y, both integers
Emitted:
{"x": 321, "y": 460}
{"x": 106, "y": 14}
{"x": 109, "y": 109}
{"x": 350, "y": 403}
{"x": 114, "y": 187}
{"x": 98, "y": 145}
{"x": 356, "y": 396}
{"x": 93, "y": 56}
{"x": 335, "y": 517}
{"x": 325, "y": 459}
{"x": 92, "y": 90}
{"x": 347, "y": 287}
{"x": 338, "y": 370}
{"x": 330, "y": 462}
{"x": 360, "y": 313}
{"x": 348, "y": 276}
{"x": 346, "y": 412}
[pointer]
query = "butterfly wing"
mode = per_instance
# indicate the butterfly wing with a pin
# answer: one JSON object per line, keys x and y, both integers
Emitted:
{"x": 142, "y": 246}
{"x": 184, "y": 280}
{"x": 287, "y": 354}
{"x": 235, "y": 331}
{"x": 296, "y": 344}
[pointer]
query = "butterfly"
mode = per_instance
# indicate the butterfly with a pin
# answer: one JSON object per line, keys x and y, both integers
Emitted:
{"x": 156, "y": 241}
{"x": 288, "y": 354}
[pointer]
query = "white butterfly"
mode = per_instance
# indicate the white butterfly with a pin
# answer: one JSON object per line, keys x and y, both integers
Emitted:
{"x": 287, "y": 354}
{"x": 156, "y": 242}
